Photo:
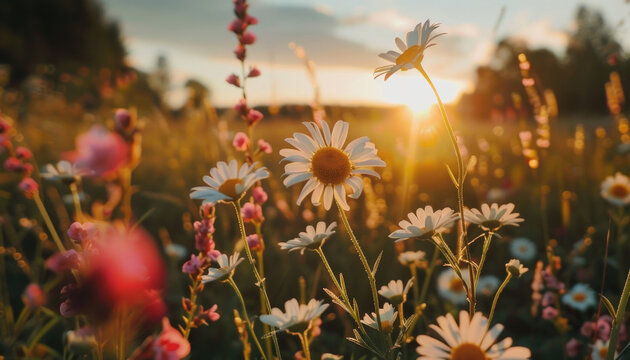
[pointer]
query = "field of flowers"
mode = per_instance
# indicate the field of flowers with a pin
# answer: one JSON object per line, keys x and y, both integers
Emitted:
{"x": 316, "y": 232}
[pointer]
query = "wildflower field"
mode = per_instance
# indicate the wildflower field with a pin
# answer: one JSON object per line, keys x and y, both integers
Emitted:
{"x": 132, "y": 230}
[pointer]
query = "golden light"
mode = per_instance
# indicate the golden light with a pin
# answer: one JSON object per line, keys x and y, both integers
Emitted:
{"x": 415, "y": 93}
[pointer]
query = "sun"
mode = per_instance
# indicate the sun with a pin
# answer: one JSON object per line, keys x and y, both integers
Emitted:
{"x": 415, "y": 93}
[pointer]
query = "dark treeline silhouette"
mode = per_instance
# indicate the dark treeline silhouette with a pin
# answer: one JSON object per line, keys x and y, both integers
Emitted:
{"x": 577, "y": 77}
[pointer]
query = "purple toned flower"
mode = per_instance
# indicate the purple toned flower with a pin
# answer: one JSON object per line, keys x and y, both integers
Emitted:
{"x": 206, "y": 315}
{"x": 548, "y": 299}
{"x": 587, "y": 329}
{"x": 233, "y": 79}
{"x": 573, "y": 347}
{"x": 254, "y": 116}
{"x": 13, "y": 164}
{"x": 252, "y": 213}
{"x": 193, "y": 266}
{"x": 241, "y": 141}
{"x": 603, "y": 327}
{"x": 29, "y": 187}
{"x": 264, "y": 146}
{"x": 549, "y": 313}
{"x": 253, "y": 242}
{"x": 253, "y": 72}
{"x": 260, "y": 196}
{"x": 122, "y": 120}
{"x": 81, "y": 232}
{"x": 62, "y": 262}
{"x": 34, "y": 296}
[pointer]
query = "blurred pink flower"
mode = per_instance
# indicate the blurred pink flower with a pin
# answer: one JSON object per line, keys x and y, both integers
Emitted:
{"x": 241, "y": 107}
{"x": 63, "y": 262}
{"x": 253, "y": 72}
{"x": 233, "y": 79}
{"x": 252, "y": 213}
{"x": 29, "y": 187}
{"x": 34, "y": 296}
{"x": 23, "y": 153}
{"x": 4, "y": 126}
{"x": 254, "y": 116}
{"x": 122, "y": 120}
{"x": 170, "y": 344}
{"x": 100, "y": 150}
{"x": 237, "y": 26}
{"x": 248, "y": 38}
{"x": 573, "y": 347}
{"x": 253, "y": 241}
{"x": 260, "y": 196}
{"x": 240, "y": 52}
{"x": 264, "y": 146}
{"x": 81, "y": 232}
{"x": 193, "y": 266}
{"x": 241, "y": 141}
{"x": 549, "y": 313}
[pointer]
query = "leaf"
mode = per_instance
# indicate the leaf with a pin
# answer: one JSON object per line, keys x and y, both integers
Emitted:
{"x": 343, "y": 283}
{"x": 376, "y": 263}
{"x": 450, "y": 173}
{"x": 142, "y": 218}
{"x": 609, "y": 306}
{"x": 336, "y": 300}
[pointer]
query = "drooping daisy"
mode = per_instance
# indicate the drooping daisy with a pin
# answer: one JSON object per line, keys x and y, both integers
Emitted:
{"x": 228, "y": 182}
{"x": 515, "y": 268}
{"x": 395, "y": 292}
{"x": 225, "y": 269}
{"x": 296, "y": 317}
{"x": 326, "y": 166}
{"x": 425, "y": 223}
{"x": 311, "y": 239}
{"x": 523, "y": 249}
{"x": 468, "y": 341}
{"x": 616, "y": 189}
{"x": 487, "y": 284}
{"x": 493, "y": 217}
{"x": 600, "y": 350}
{"x": 64, "y": 172}
{"x": 388, "y": 316}
{"x": 409, "y": 258}
{"x": 451, "y": 287}
{"x": 580, "y": 297}
{"x": 412, "y": 50}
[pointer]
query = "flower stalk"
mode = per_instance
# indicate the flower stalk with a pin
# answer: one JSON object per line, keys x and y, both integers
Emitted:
{"x": 619, "y": 317}
{"x": 230, "y": 281}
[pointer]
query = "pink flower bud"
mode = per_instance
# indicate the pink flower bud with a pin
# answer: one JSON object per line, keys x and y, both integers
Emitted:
{"x": 241, "y": 107}
{"x": 240, "y": 52}
{"x": 81, "y": 232}
{"x": 13, "y": 164}
{"x": 23, "y": 153}
{"x": 233, "y": 79}
{"x": 241, "y": 141}
{"x": 34, "y": 296}
{"x": 237, "y": 26}
{"x": 260, "y": 196}
{"x": 253, "y": 242}
{"x": 240, "y": 8}
{"x": 252, "y": 213}
{"x": 264, "y": 146}
{"x": 254, "y": 116}
{"x": 549, "y": 313}
{"x": 4, "y": 126}
{"x": 122, "y": 120}
{"x": 248, "y": 38}
{"x": 29, "y": 187}
{"x": 251, "y": 20}
{"x": 253, "y": 72}
{"x": 573, "y": 347}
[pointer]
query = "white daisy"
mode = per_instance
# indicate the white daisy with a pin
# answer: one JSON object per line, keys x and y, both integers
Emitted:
{"x": 395, "y": 292}
{"x": 425, "y": 223}
{"x": 227, "y": 182}
{"x": 64, "y": 172}
{"x": 493, "y": 217}
{"x": 487, "y": 284}
{"x": 311, "y": 239}
{"x": 580, "y": 297}
{"x": 616, "y": 189}
{"x": 515, "y": 268}
{"x": 296, "y": 317}
{"x": 600, "y": 350}
{"x": 326, "y": 166}
{"x": 409, "y": 258}
{"x": 417, "y": 42}
{"x": 388, "y": 316}
{"x": 469, "y": 340}
{"x": 225, "y": 269}
{"x": 523, "y": 249}
{"x": 451, "y": 287}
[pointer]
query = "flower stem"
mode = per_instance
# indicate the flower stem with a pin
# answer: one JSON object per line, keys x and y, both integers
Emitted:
{"x": 260, "y": 282}
{"x": 427, "y": 278}
{"x": 486, "y": 246}
{"x": 496, "y": 299}
{"x": 249, "y": 323}
{"x": 366, "y": 267}
{"x": 619, "y": 317}
{"x": 77, "y": 202}
{"x": 126, "y": 185}
{"x": 304, "y": 340}
{"x": 49, "y": 223}
{"x": 461, "y": 240}
{"x": 193, "y": 306}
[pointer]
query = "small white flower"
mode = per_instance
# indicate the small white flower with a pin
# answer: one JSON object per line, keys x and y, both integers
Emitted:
{"x": 395, "y": 292}
{"x": 425, "y": 223}
{"x": 469, "y": 340}
{"x": 327, "y": 166}
{"x": 412, "y": 50}
{"x": 329, "y": 356}
{"x": 600, "y": 350}
{"x": 515, "y": 268}
{"x": 228, "y": 182}
{"x": 523, "y": 249}
{"x": 488, "y": 284}
{"x": 296, "y": 317}
{"x": 616, "y": 190}
{"x": 64, "y": 172}
{"x": 493, "y": 217}
{"x": 581, "y": 297}
{"x": 409, "y": 258}
{"x": 451, "y": 287}
{"x": 311, "y": 239}
{"x": 225, "y": 269}
{"x": 388, "y": 316}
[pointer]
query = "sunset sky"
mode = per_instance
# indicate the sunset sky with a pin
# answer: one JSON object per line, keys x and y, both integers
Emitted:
{"x": 343, "y": 37}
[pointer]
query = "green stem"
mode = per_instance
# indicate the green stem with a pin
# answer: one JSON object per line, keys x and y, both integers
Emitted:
{"x": 249, "y": 323}
{"x": 496, "y": 299}
{"x": 461, "y": 240}
{"x": 190, "y": 314}
{"x": 38, "y": 336}
{"x": 49, "y": 223}
{"x": 77, "y": 202}
{"x": 486, "y": 246}
{"x": 364, "y": 262}
{"x": 427, "y": 278}
{"x": 619, "y": 317}
{"x": 260, "y": 282}
{"x": 304, "y": 340}
{"x": 416, "y": 289}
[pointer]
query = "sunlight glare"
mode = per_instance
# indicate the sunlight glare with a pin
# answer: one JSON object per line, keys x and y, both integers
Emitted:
{"x": 415, "y": 93}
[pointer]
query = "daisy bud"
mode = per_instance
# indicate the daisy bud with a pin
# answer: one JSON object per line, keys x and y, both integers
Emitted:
{"x": 23, "y": 153}
{"x": 260, "y": 196}
{"x": 253, "y": 242}
{"x": 248, "y": 38}
{"x": 237, "y": 26}
{"x": 29, "y": 187}
{"x": 241, "y": 107}
{"x": 240, "y": 52}
{"x": 254, "y": 116}
{"x": 253, "y": 72}
{"x": 233, "y": 79}
{"x": 241, "y": 141}
{"x": 264, "y": 146}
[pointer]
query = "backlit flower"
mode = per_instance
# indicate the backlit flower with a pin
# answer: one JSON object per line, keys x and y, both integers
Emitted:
{"x": 388, "y": 316}
{"x": 313, "y": 238}
{"x": 170, "y": 344}
{"x": 616, "y": 189}
{"x": 580, "y": 297}
{"x": 425, "y": 223}
{"x": 493, "y": 217}
{"x": 523, "y": 249}
{"x": 409, "y": 258}
{"x": 241, "y": 141}
{"x": 412, "y": 51}
{"x": 296, "y": 317}
{"x": 468, "y": 341}
{"x": 515, "y": 268}
{"x": 227, "y": 182}
{"x": 326, "y": 166}
{"x": 225, "y": 269}
{"x": 395, "y": 292}
{"x": 100, "y": 151}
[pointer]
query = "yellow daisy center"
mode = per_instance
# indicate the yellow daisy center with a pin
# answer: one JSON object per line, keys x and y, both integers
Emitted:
{"x": 579, "y": 297}
{"x": 456, "y": 285}
{"x": 331, "y": 165}
{"x": 409, "y": 55}
{"x": 619, "y": 191}
{"x": 468, "y": 351}
{"x": 229, "y": 187}
{"x": 523, "y": 248}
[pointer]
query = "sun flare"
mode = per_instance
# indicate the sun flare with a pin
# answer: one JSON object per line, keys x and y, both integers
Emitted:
{"x": 413, "y": 92}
